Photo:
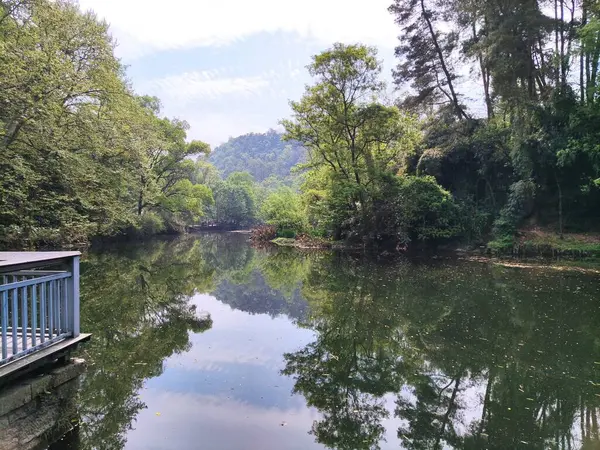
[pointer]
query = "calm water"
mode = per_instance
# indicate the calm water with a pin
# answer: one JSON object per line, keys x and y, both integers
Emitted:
{"x": 313, "y": 351}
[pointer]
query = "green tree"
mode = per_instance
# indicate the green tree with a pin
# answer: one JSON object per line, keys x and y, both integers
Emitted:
{"x": 235, "y": 201}
{"x": 80, "y": 154}
{"x": 351, "y": 138}
{"x": 284, "y": 209}
{"x": 426, "y": 53}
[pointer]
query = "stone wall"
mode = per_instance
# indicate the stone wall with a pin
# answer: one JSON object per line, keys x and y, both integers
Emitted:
{"x": 39, "y": 409}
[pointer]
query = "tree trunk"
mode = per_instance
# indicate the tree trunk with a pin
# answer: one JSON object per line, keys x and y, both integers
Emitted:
{"x": 563, "y": 56}
{"x": 485, "y": 78}
{"x": 486, "y": 402}
{"x": 459, "y": 111}
{"x": 556, "y": 48}
{"x": 583, "y": 57}
{"x": 140, "y": 203}
{"x": 560, "y": 209}
{"x": 448, "y": 412}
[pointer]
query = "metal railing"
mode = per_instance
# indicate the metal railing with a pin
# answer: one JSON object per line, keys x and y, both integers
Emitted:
{"x": 37, "y": 308}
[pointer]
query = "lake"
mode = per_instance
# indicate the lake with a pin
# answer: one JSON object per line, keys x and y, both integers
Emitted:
{"x": 314, "y": 350}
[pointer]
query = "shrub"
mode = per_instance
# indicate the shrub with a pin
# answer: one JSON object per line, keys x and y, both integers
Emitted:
{"x": 286, "y": 233}
{"x": 424, "y": 210}
{"x": 149, "y": 224}
{"x": 283, "y": 209}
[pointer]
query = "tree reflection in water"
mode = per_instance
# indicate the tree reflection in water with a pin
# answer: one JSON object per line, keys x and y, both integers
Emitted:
{"x": 453, "y": 354}
{"x": 477, "y": 356}
{"x": 136, "y": 303}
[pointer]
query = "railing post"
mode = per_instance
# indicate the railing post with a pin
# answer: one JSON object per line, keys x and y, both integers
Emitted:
{"x": 73, "y": 299}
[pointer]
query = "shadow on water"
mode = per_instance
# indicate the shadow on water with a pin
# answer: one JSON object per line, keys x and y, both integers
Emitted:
{"x": 441, "y": 355}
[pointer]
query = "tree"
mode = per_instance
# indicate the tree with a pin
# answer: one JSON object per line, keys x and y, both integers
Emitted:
{"x": 235, "y": 201}
{"x": 530, "y": 161}
{"x": 165, "y": 170}
{"x": 80, "y": 154}
{"x": 425, "y": 53}
{"x": 283, "y": 208}
{"x": 351, "y": 138}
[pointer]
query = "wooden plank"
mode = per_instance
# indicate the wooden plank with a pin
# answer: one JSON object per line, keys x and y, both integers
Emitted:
{"x": 41, "y": 357}
{"x": 19, "y": 342}
{"x": 17, "y": 261}
{"x": 17, "y": 258}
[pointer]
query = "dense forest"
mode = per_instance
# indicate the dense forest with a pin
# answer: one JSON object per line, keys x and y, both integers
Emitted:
{"x": 494, "y": 129}
{"x": 429, "y": 168}
{"x": 263, "y": 155}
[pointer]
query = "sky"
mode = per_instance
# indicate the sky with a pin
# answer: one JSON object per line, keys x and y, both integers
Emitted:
{"x": 230, "y": 67}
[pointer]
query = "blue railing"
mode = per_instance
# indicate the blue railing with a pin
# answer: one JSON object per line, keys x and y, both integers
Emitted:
{"x": 37, "y": 308}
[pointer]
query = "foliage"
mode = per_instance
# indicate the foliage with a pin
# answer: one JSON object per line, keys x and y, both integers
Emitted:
{"x": 261, "y": 154}
{"x": 235, "y": 201}
{"x": 80, "y": 154}
{"x": 283, "y": 208}
{"x": 424, "y": 210}
{"x": 354, "y": 142}
{"x": 533, "y": 159}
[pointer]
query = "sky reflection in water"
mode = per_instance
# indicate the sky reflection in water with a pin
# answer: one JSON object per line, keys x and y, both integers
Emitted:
{"x": 330, "y": 351}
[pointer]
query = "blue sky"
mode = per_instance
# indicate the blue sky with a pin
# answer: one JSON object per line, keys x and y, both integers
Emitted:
{"x": 230, "y": 67}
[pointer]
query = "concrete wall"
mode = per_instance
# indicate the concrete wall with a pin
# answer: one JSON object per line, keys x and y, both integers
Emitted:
{"x": 39, "y": 409}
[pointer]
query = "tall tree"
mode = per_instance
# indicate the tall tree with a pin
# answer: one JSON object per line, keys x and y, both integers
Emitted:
{"x": 352, "y": 140}
{"x": 426, "y": 54}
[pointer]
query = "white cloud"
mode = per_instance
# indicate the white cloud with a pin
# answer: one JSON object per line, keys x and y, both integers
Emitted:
{"x": 146, "y": 26}
{"x": 202, "y": 85}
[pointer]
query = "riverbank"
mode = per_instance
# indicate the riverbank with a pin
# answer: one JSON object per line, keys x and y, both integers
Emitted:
{"x": 538, "y": 242}
{"x": 542, "y": 246}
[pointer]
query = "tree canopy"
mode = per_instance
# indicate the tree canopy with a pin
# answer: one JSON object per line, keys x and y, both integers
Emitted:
{"x": 80, "y": 153}
{"x": 261, "y": 154}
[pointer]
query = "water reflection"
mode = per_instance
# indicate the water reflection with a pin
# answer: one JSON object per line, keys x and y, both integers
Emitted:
{"x": 328, "y": 351}
{"x": 136, "y": 304}
{"x": 477, "y": 357}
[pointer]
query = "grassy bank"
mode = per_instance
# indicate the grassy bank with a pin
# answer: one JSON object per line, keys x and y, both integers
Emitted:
{"x": 538, "y": 242}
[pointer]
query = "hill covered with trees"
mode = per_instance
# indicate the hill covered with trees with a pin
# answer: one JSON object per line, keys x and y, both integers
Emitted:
{"x": 261, "y": 154}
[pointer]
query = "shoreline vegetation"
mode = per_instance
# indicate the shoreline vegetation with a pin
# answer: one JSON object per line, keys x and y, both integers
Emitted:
{"x": 528, "y": 244}
{"x": 515, "y": 171}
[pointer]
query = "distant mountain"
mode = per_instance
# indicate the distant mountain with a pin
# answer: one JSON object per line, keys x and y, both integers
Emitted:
{"x": 261, "y": 154}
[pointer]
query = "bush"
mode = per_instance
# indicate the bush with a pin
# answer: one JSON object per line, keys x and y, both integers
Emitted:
{"x": 283, "y": 209}
{"x": 501, "y": 245}
{"x": 286, "y": 233}
{"x": 424, "y": 210}
{"x": 149, "y": 224}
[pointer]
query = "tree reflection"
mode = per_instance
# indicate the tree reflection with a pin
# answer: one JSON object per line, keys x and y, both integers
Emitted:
{"x": 136, "y": 304}
{"x": 353, "y": 363}
{"x": 476, "y": 356}
{"x": 455, "y": 355}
